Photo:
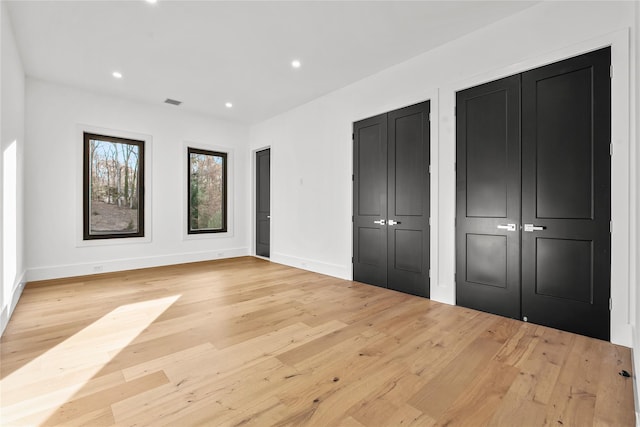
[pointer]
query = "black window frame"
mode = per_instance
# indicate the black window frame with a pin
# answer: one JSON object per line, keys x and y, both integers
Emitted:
{"x": 225, "y": 202}
{"x": 86, "y": 185}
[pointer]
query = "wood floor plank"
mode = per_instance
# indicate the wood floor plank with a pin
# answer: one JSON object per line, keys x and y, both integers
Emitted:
{"x": 187, "y": 357}
{"x": 245, "y": 342}
{"x": 438, "y": 394}
{"x": 408, "y": 416}
{"x": 221, "y": 375}
{"x": 383, "y": 403}
{"x": 574, "y": 396}
{"x": 613, "y": 388}
{"x": 519, "y": 347}
{"x": 76, "y": 378}
{"x": 89, "y": 405}
{"x": 350, "y": 422}
{"x": 479, "y": 402}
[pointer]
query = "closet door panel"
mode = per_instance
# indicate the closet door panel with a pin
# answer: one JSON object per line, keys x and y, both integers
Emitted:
{"x": 370, "y": 201}
{"x": 408, "y": 199}
{"x": 566, "y": 195}
{"x": 488, "y": 197}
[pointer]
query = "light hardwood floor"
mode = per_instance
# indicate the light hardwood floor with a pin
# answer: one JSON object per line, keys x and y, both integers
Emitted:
{"x": 245, "y": 342}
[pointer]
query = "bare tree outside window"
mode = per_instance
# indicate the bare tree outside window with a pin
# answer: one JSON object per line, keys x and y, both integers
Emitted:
{"x": 207, "y": 201}
{"x": 113, "y": 187}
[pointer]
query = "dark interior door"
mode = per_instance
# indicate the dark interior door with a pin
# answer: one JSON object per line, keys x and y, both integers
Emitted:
{"x": 488, "y": 197}
{"x": 408, "y": 200}
{"x": 566, "y": 196}
{"x": 536, "y": 243}
{"x": 263, "y": 202}
{"x": 370, "y": 201}
{"x": 391, "y": 200}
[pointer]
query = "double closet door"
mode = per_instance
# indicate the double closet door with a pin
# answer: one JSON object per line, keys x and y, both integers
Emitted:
{"x": 391, "y": 200}
{"x": 533, "y": 195}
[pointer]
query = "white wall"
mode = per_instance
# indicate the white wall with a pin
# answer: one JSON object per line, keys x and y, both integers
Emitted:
{"x": 12, "y": 89}
{"x": 55, "y": 118}
{"x": 312, "y": 148}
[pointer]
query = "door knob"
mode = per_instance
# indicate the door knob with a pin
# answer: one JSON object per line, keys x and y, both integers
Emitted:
{"x": 392, "y": 222}
{"x": 531, "y": 228}
{"x": 508, "y": 227}
{"x": 381, "y": 222}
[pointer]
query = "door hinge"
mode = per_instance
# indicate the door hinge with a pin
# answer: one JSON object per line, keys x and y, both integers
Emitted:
{"x": 353, "y": 177}
{"x": 429, "y": 168}
{"x": 610, "y": 305}
{"x": 429, "y": 118}
{"x": 611, "y": 149}
{"x": 429, "y": 273}
{"x": 351, "y": 260}
{"x": 611, "y": 71}
{"x": 454, "y": 278}
{"x": 353, "y": 136}
{"x": 455, "y": 167}
{"x": 610, "y": 226}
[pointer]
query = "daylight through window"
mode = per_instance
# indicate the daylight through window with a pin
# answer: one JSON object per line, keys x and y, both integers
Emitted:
{"x": 113, "y": 187}
{"x": 207, "y": 201}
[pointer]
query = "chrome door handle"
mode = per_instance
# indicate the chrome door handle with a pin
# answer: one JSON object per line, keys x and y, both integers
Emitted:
{"x": 531, "y": 228}
{"x": 268, "y": 216}
{"x": 381, "y": 222}
{"x": 392, "y": 222}
{"x": 508, "y": 227}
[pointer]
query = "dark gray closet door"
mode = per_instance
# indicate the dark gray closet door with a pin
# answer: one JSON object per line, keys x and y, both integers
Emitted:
{"x": 370, "y": 201}
{"x": 391, "y": 200}
{"x": 408, "y": 200}
{"x": 566, "y": 196}
{"x": 553, "y": 268}
{"x": 488, "y": 197}
{"x": 263, "y": 203}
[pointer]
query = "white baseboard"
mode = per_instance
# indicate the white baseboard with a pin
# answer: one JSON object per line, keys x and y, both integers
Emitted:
{"x": 71, "y": 270}
{"x": 622, "y": 335}
{"x": 335, "y": 270}
{"x": 16, "y": 293}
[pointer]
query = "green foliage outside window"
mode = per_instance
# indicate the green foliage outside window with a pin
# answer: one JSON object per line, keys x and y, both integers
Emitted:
{"x": 207, "y": 191}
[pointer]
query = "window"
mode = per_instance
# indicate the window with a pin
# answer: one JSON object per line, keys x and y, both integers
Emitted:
{"x": 207, "y": 191}
{"x": 113, "y": 189}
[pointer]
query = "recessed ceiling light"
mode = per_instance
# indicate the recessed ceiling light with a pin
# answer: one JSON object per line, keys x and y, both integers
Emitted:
{"x": 228, "y": 105}
{"x": 296, "y": 63}
{"x": 117, "y": 74}
{"x": 152, "y": 1}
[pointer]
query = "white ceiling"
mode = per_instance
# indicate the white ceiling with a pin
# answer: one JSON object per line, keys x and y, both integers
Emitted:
{"x": 206, "y": 53}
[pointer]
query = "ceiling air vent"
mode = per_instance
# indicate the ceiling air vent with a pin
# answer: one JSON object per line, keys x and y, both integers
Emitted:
{"x": 172, "y": 101}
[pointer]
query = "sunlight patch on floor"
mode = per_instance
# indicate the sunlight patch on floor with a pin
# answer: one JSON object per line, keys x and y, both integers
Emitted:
{"x": 35, "y": 391}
